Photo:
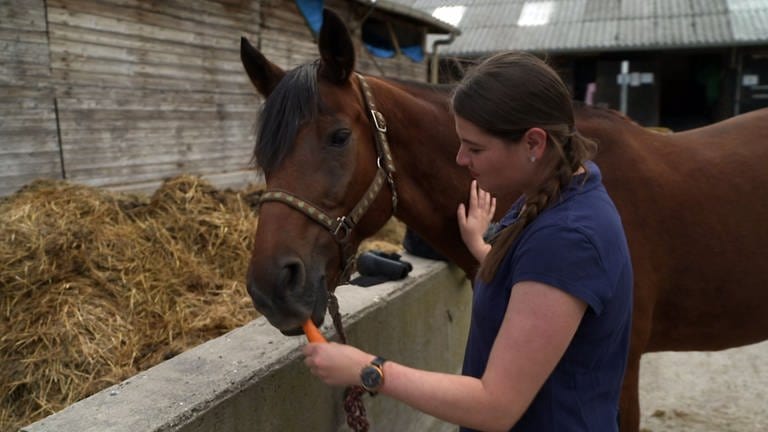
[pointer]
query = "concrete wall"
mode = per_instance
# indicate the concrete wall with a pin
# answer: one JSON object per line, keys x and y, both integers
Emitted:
{"x": 253, "y": 378}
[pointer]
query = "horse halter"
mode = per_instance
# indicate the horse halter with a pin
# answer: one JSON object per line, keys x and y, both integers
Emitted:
{"x": 341, "y": 227}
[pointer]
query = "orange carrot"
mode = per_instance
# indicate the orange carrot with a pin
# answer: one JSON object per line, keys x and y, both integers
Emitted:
{"x": 313, "y": 334}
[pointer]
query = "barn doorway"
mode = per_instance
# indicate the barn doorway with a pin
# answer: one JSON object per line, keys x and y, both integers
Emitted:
{"x": 691, "y": 87}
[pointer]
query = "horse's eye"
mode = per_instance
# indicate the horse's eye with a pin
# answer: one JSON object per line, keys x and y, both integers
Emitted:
{"x": 340, "y": 137}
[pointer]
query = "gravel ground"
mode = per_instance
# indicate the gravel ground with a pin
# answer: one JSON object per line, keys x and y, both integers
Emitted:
{"x": 724, "y": 391}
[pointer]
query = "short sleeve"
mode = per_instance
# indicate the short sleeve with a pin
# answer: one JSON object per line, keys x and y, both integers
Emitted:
{"x": 564, "y": 258}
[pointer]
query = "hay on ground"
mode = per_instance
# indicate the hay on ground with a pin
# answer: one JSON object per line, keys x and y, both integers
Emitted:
{"x": 97, "y": 286}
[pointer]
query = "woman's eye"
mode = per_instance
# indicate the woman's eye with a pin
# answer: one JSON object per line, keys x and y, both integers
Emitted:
{"x": 339, "y": 137}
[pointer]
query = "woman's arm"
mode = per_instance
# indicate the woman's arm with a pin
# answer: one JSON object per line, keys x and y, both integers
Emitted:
{"x": 539, "y": 323}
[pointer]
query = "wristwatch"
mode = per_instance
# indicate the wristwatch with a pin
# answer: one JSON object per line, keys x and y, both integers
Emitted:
{"x": 372, "y": 375}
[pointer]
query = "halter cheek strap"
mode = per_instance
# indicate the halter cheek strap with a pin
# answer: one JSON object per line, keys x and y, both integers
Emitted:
{"x": 382, "y": 144}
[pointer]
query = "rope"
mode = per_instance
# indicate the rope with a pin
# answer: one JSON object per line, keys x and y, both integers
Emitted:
{"x": 353, "y": 395}
{"x": 333, "y": 309}
{"x": 353, "y": 405}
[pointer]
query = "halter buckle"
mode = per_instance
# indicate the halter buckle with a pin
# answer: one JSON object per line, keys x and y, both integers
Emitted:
{"x": 379, "y": 121}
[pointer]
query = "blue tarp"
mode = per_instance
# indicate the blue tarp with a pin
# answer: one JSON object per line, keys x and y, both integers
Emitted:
{"x": 414, "y": 52}
{"x": 386, "y": 50}
{"x": 380, "y": 51}
{"x": 376, "y": 39}
{"x": 312, "y": 10}
{"x": 313, "y": 13}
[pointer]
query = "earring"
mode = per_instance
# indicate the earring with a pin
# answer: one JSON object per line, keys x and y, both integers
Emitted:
{"x": 532, "y": 158}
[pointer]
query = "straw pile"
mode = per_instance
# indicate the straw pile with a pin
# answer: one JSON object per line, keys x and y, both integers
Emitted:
{"x": 96, "y": 286}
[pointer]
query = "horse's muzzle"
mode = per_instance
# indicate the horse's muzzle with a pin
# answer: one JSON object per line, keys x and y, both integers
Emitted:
{"x": 286, "y": 297}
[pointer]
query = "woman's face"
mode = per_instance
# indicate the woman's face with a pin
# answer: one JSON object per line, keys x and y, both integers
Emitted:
{"x": 499, "y": 166}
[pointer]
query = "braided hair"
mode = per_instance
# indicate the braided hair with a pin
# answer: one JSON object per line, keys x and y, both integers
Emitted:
{"x": 506, "y": 95}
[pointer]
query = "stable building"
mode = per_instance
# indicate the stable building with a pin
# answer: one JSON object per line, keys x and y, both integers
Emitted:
{"x": 686, "y": 63}
{"x": 123, "y": 94}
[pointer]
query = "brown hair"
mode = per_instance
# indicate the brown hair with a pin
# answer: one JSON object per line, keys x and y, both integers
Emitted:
{"x": 506, "y": 95}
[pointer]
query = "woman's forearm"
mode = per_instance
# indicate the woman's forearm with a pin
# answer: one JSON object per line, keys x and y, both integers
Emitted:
{"x": 456, "y": 399}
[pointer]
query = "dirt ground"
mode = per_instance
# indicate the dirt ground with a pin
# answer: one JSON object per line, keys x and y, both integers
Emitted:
{"x": 724, "y": 391}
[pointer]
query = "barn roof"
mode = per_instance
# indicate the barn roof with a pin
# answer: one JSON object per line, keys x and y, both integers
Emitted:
{"x": 405, "y": 8}
{"x": 601, "y": 25}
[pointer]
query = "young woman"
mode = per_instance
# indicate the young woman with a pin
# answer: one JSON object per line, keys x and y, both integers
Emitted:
{"x": 552, "y": 306}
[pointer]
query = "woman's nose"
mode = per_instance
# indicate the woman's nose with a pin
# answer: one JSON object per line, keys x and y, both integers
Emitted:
{"x": 461, "y": 157}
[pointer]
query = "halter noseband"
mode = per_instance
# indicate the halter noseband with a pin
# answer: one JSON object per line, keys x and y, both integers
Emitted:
{"x": 341, "y": 227}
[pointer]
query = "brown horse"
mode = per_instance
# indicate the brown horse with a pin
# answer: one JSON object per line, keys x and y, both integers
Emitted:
{"x": 694, "y": 204}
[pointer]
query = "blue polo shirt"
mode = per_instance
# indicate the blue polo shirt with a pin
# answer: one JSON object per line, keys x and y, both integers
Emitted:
{"x": 576, "y": 245}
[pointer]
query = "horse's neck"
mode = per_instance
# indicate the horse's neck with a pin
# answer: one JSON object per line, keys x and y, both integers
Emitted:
{"x": 429, "y": 182}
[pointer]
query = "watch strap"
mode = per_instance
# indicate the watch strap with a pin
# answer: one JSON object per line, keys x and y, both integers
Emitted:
{"x": 379, "y": 363}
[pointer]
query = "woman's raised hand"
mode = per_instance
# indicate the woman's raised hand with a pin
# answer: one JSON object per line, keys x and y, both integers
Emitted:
{"x": 475, "y": 221}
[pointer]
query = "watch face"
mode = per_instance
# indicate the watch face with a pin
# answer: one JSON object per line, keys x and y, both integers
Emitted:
{"x": 371, "y": 378}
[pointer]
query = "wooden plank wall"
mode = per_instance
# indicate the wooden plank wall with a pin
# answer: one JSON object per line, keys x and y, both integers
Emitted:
{"x": 124, "y": 93}
{"x": 28, "y": 143}
{"x": 286, "y": 40}
{"x": 148, "y": 90}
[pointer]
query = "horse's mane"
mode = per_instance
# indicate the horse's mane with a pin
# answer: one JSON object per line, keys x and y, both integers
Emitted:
{"x": 292, "y": 103}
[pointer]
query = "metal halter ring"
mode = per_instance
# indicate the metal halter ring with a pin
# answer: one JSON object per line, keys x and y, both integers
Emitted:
{"x": 343, "y": 222}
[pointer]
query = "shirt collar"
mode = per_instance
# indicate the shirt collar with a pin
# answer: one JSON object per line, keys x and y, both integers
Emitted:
{"x": 579, "y": 183}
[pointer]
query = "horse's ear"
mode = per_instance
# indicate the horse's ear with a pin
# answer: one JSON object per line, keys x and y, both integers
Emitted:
{"x": 337, "y": 52}
{"x": 263, "y": 74}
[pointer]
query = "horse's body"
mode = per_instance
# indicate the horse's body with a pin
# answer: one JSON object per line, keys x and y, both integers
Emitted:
{"x": 694, "y": 207}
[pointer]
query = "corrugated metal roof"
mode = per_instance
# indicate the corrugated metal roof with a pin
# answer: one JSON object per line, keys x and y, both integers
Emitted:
{"x": 600, "y": 25}
{"x": 749, "y": 25}
{"x": 405, "y": 8}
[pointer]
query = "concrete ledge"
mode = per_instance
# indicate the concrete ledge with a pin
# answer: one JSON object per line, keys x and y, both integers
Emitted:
{"x": 253, "y": 378}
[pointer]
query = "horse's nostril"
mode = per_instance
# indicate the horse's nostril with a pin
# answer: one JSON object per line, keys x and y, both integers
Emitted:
{"x": 278, "y": 292}
{"x": 292, "y": 275}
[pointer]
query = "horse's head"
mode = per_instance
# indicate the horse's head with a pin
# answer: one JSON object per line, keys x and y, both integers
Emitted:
{"x": 325, "y": 189}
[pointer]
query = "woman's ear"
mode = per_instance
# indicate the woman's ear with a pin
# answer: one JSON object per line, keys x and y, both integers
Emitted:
{"x": 536, "y": 141}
